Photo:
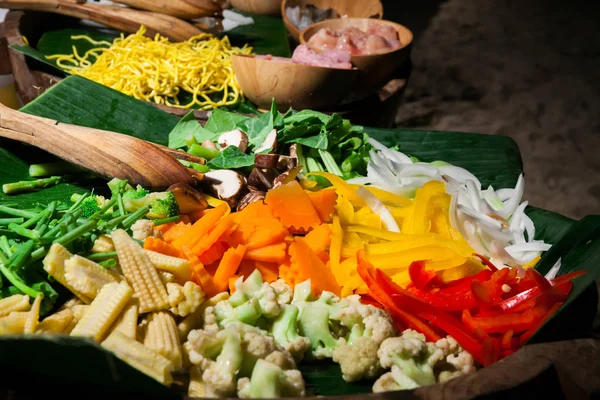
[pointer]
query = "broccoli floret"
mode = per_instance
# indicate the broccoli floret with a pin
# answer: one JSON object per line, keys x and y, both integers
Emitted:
{"x": 269, "y": 380}
{"x": 91, "y": 205}
{"x": 162, "y": 204}
{"x": 134, "y": 194}
{"x": 412, "y": 360}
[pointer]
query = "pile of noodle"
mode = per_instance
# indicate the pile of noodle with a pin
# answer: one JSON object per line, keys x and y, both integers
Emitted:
{"x": 156, "y": 70}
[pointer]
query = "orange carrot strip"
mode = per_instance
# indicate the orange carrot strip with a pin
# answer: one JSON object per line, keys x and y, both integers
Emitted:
{"x": 184, "y": 218}
{"x": 201, "y": 227}
{"x": 164, "y": 227}
{"x": 246, "y": 268}
{"x": 310, "y": 265}
{"x": 324, "y": 202}
{"x": 159, "y": 246}
{"x": 267, "y": 232}
{"x": 178, "y": 230}
{"x": 319, "y": 238}
{"x": 269, "y": 271}
{"x": 273, "y": 253}
{"x": 232, "y": 283}
{"x": 213, "y": 236}
{"x": 229, "y": 264}
{"x": 199, "y": 274}
{"x": 195, "y": 216}
{"x": 291, "y": 205}
{"x": 214, "y": 253}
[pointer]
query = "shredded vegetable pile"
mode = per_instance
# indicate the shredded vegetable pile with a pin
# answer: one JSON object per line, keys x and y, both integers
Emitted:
{"x": 196, "y": 73}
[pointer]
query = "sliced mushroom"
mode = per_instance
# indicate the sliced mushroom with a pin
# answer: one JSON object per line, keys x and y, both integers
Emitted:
{"x": 227, "y": 185}
{"x": 286, "y": 163}
{"x": 286, "y": 177}
{"x": 190, "y": 200}
{"x": 235, "y": 138}
{"x": 266, "y": 160}
{"x": 269, "y": 143}
{"x": 209, "y": 144}
{"x": 262, "y": 178}
{"x": 251, "y": 197}
{"x": 294, "y": 150}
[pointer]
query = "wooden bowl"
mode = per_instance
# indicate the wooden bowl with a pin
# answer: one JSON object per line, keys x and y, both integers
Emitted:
{"x": 375, "y": 69}
{"x": 270, "y": 8}
{"x": 291, "y": 85}
{"x": 345, "y": 8}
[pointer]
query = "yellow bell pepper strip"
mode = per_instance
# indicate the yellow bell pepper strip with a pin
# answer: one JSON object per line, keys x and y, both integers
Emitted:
{"x": 335, "y": 251}
{"x": 341, "y": 186}
{"x": 419, "y": 221}
{"x": 413, "y": 241}
{"x": 345, "y": 210}
{"x": 387, "y": 198}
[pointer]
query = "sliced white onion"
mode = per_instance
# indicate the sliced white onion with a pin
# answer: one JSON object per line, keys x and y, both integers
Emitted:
{"x": 524, "y": 247}
{"x": 511, "y": 204}
{"x": 460, "y": 174}
{"x": 393, "y": 155}
{"x": 504, "y": 194}
{"x": 554, "y": 270}
{"x": 378, "y": 208}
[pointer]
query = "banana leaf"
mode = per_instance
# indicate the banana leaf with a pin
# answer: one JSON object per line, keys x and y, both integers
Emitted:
{"x": 493, "y": 159}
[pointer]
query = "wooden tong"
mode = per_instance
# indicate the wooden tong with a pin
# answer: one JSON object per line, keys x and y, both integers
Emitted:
{"x": 109, "y": 154}
{"x": 121, "y": 18}
{"x": 185, "y": 9}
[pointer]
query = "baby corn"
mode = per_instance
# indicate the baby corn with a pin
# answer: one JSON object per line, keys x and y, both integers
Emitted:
{"x": 103, "y": 311}
{"x": 16, "y": 302}
{"x": 140, "y": 273}
{"x": 140, "y": 357}
{"x": 162, "y": 336}
{"x": 34, "y": 316}
{"x": 86, "y": 276}
{"x": 60, "y": 323}
{"x": 177, "y": 266}
{"x": 54, "y": 264}
{"x": 127, "y": 321}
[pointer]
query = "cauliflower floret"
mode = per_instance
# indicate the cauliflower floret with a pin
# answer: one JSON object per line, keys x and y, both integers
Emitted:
{"x": 285, "y": 332}
{"x": 283, "y": 290}
{"x": 411, "y": 358}
{"x": 103, "y": 244}
{"x": 456, "y": 360}
{"x": 268, "y": 301}
{"x": 358, "y": 360}
{"x": 365, "y": 320}
{"x": 165, "y": 277}
{"x": 186, "y": 299}
{"x": 269, "y": 380}
{"x": 282, "y": 358}
{"x": 142, "y": 228}
{"x": 219, "y": 355}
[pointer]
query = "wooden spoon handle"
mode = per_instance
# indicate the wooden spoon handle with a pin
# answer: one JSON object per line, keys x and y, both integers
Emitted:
{"x": 185, "y": 9}
{"x": 108, "y": 154}
{"x": 120, "y": 18}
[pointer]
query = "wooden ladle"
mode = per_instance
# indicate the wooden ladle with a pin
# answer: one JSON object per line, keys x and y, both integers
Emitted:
{"x": 121, "y": 18}
{"x": 109, "y": 154}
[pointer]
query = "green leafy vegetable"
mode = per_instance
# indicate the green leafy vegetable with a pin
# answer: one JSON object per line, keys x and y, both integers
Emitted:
{"x": 258, "y": 128}
{"x": 267, "y": 35}
{"x": 187, "y": 127}
{"x": 231, "y": 158}
{"x": 223, "y": 121}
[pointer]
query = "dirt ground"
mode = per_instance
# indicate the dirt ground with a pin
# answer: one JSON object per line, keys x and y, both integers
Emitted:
{"x": 528, "y": 69}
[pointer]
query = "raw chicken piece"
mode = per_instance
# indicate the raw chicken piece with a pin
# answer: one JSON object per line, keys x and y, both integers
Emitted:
{"x": 377, "y": 39}
{"x": 324, "y": 39}
{"x": 330, "y": 59}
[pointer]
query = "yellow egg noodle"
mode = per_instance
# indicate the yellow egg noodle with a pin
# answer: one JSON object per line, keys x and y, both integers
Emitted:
{"x": 156, "y": 70}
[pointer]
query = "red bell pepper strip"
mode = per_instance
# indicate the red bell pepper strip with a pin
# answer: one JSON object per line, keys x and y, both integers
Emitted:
{"x": 421, "y": 277}
{"x": 465, "y": 283}
{"x": 444, "y": 301}
{"x": 532, "y": 293}
{"x": 366, "y": 270}
{"x": 504, "y": 322}
{"x": 487, "y": 262}
{"x": 541, "y": 281}
{"x": 527, "y": 335}
{"x": 506, "y": 342}
{"x": 441, "y": 319}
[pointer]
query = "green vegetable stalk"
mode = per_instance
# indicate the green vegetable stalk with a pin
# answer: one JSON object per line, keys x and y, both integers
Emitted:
{"x": 31, "y": 186}
{"x": 53, "y": 169}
